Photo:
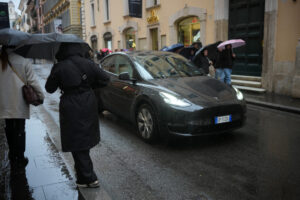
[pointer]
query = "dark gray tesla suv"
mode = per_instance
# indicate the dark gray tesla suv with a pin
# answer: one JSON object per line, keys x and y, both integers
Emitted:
{"x": 164, "y": 94}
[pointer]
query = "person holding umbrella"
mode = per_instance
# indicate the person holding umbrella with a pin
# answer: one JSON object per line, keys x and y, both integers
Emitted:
{"x": 77, "y": 76}
{"x": 220, "y": 75}
{"x": 227, "y": 56}
{"x": 15, "y": 69}
{"x": 203, "y": 61}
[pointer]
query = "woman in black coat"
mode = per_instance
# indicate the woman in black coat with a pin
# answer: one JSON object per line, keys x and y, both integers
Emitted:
{"x": 76, "y": 76}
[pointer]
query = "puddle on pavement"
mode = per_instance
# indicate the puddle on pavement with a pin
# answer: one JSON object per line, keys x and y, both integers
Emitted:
{"x": 45, "y": 172}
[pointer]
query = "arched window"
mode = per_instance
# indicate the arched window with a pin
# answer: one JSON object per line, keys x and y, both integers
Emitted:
{"x": 130, "y": 38}
{"x": 189, "y": 31}
{"x": 108, "y": 40}
{"x": 94, "y": 42}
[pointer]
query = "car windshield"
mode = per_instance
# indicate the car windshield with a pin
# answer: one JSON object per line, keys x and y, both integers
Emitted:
{"x": 165, "y": 66}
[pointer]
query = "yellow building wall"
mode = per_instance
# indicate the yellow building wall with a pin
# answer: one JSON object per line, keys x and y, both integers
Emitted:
{"x": 166, "y": 9}
{"x": 288, "y": 30}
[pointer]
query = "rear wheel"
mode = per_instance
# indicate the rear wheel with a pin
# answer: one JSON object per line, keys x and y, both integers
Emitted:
{"x": 146, "y": 123}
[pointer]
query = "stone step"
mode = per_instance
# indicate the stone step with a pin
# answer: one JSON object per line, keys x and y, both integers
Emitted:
{"x": 254, "y": 84}
{"x": 252, "y": 89}
{"x": 246, "y": 78}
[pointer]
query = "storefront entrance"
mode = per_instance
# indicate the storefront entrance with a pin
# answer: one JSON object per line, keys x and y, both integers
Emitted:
{"x": 246, "y": 21}
{"x": 189, "y": 31}
{"x": 130, "y": 39}
{"x": 154, "y": 37}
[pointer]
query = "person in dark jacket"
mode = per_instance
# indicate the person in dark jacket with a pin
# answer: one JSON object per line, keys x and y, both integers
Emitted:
{"x": 202, "y": 61}
{"x": 227, "y": 58}
{"x": 76, "y": 77}
{"x": 220, "y": 75}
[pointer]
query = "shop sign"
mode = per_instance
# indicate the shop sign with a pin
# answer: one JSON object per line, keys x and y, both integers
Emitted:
{"x": 153, "y": 18}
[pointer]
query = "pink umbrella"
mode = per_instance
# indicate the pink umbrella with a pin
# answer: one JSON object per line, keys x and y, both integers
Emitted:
{"x": 234, "y": 43}
{"x": 105, "y": 50}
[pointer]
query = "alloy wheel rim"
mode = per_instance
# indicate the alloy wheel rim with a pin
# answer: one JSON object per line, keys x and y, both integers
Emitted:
{"x": 145, "y": 123}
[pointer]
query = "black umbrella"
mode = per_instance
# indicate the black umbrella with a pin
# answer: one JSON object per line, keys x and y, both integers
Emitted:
{"x": 45, "y": 46}
{"x": 173, "y": 47}
{"x": 11, "y": 37}
{"x": 211, "y": 48}
{"x": 187, "y": 52}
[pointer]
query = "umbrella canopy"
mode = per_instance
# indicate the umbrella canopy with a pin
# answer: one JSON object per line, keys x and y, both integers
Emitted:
{"x": 187, "y": 52}
{"x": 211, "y": 48}
{"x": 11, "y": 37}
{"x": 234, "y": 43}
{"x": 45, "y": 46}
{"x": 106, "y": 50}
{"x": 174, "y": 47}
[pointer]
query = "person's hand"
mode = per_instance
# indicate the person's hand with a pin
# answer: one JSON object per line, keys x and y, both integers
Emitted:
{"x": 233, "y": 55}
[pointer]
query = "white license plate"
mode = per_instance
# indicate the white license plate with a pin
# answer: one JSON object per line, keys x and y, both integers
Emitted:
{"x": 223, "y": 119}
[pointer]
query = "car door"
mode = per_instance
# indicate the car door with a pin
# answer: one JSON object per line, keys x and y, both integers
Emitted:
{"x": 107, "y": 97}
{"x": 124, "y": 91}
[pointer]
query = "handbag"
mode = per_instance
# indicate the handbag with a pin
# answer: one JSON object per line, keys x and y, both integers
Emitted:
{"x": 29, "y": 93}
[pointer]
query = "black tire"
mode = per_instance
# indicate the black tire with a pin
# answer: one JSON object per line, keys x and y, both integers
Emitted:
{"x": 146, "y": 123}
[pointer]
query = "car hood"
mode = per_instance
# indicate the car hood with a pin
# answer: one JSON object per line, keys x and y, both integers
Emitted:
{"x": 201, "y": 90}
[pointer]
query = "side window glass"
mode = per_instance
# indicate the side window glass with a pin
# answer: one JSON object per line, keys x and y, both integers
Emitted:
{"x": 108, "y": 65}
{"x": 123, "y": 65}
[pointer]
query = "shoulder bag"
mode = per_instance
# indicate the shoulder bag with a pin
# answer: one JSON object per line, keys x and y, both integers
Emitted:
{"x": 29, "y": 93}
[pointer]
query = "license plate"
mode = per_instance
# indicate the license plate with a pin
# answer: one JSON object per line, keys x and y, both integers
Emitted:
{"x": 223, "y": 119}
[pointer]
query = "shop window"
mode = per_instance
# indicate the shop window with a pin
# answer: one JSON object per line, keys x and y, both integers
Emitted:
{"x": 130, "y": 39}
{"x": 189, "y": 31}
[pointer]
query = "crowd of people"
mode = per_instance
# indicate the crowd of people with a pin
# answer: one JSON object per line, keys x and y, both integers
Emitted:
{"x": 218, "y": 65}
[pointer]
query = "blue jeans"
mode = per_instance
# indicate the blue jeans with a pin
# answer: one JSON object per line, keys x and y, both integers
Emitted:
{"x": 220, "y": 75}
{"x": 227, "y": 73}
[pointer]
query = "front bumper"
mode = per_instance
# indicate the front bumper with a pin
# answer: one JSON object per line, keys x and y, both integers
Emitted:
{"x": 180, "y": 122}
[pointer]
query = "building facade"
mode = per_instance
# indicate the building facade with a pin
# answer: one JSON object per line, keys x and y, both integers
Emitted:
{"x": 25, "y": 21}
{"x": 270, "y": 53}
{"x": 62, "y": 16}
{"x": 13, "y": 15}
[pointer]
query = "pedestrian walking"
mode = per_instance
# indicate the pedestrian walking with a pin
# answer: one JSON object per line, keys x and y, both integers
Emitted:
{"x": 15, "y": 69}
{"x": 227, "y": 58}
{"x": 77, "y": 76}
{"x": 203, "y": 61}
{"x": 220, "y": 74}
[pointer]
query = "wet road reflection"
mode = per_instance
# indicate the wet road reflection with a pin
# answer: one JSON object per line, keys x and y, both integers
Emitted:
{"x": 259, "y": 161}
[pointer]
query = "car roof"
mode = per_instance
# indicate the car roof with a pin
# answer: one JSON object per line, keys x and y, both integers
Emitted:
{"x": 143, "y": 53}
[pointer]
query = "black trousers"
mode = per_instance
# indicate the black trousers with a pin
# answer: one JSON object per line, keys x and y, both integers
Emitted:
{"x": 15, "y": 135}
{"x": 84, "y": 167}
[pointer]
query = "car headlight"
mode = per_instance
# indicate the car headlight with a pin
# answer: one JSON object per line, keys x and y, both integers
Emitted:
{"x": 239, "y": 94}
{"x": 173, "y": 100}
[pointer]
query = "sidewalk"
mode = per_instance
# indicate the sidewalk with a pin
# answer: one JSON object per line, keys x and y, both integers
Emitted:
{"x": 274, "y": 101}
{"x": 46, "y": 176}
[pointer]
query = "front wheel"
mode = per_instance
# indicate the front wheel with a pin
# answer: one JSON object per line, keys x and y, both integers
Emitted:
{"x": 146, "y": 123}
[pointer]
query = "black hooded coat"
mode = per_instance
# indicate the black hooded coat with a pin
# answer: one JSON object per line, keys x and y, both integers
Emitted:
{"x": 202, "y": 61}
{"x": 76, "y": 76}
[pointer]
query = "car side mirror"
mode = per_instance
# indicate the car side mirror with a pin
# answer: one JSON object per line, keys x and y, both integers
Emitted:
{"x": 124, "y": 76}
